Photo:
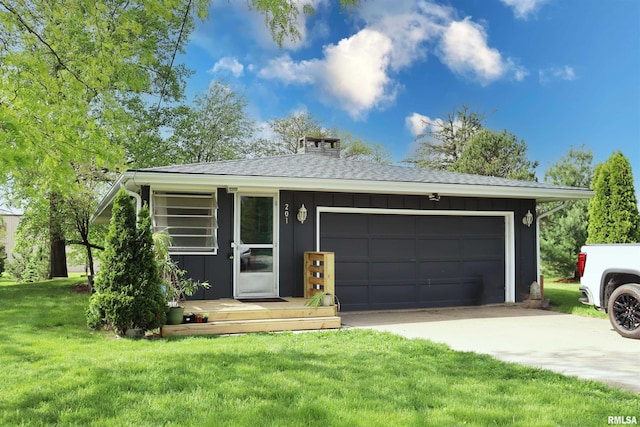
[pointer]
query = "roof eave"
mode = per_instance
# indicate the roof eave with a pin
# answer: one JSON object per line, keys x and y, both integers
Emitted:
{"x": 139, "y": 178}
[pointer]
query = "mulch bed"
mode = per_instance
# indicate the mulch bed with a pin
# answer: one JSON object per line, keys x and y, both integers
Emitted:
{"x": 82, "y": 288}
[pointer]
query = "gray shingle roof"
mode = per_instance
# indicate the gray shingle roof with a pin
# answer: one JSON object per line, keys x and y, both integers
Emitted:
{"x": 332, "y": 168}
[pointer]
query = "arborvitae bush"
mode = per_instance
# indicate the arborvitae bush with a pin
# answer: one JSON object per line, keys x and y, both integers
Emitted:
{"x": 613, "y": 210}
{"x": 150, "y": 302}
{"x": 127, "y": 288}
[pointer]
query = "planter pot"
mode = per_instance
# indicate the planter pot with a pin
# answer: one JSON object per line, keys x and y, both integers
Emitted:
{"x": 189, "y": 318}
{"x": 174, "y": 316}
{"x": 326, "y": 300}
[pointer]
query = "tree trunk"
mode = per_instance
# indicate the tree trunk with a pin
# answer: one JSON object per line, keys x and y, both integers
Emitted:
{"x": 90, "y": 262}
{"x": 57, "y": 243}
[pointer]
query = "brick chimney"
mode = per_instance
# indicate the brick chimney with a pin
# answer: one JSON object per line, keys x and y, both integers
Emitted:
{"x": 322, "y": 146}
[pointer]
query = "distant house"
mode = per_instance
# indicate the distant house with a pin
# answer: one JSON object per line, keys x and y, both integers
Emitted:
{"x": 11, "y": 222}
{"x": 403, "y": 237}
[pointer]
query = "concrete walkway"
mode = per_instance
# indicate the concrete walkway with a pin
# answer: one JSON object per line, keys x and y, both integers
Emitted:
{"x": 572, "y": 345}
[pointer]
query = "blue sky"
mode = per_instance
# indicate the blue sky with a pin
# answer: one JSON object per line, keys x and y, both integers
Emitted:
{"x": 555, "y": 73}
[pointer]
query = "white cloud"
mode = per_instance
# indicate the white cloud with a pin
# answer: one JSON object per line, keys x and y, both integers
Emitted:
{"x": 522, "y": 9}
{"x": 464, "y": 50}
{"x": 283, "y": 68}
{"x": 356, "y": 71}
{"x": 229, "y": 64}
{"x": 519, "y": 72}
{"x": 417, "y": 123}
{"x": 565, "y": 72}
{"x": 410, "y": 26}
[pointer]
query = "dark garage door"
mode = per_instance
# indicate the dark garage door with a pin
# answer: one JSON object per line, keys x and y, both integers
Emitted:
{"x": 406, "y": 261}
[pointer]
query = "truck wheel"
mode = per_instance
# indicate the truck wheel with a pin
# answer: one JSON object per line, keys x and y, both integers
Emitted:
{"x": 624, "y": 310}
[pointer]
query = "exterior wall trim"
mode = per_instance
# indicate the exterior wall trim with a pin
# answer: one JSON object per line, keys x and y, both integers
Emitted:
{"x": 509, "y": 232}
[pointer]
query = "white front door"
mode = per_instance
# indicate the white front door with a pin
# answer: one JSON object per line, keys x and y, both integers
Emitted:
{"x": 255, "y": 245}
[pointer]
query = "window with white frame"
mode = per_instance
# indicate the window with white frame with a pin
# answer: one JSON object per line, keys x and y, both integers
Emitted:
{"x": 189, "y": 218}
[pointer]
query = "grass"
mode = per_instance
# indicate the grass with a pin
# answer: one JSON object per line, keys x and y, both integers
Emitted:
{"x": 56, "y": 372}
{"x": 564, "y": 299}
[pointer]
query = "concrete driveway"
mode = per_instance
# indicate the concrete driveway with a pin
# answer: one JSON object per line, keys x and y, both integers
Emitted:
{"x": 572, "y": 345}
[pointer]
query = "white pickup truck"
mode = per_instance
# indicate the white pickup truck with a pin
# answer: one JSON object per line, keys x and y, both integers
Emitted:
{"x": 610, "y": 281}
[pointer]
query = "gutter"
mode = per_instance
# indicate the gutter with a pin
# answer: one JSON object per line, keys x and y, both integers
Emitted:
{"x": 138, "y": 200}
{"x": 538, "y": 219}
{"x": 107, "y": 199}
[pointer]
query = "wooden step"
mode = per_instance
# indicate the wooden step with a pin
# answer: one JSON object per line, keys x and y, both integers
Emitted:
{"x": 254, "y": 325}
{"x": 234, "y": 310}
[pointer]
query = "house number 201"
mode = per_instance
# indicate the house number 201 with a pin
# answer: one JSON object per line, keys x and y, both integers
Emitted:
{"x": 286, "y": 213}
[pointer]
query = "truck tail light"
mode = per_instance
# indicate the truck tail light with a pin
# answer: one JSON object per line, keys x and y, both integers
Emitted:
{"x": 582, "y": 262}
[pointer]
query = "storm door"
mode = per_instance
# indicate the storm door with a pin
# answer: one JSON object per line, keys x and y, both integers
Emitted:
{"x": 255, "y": 249}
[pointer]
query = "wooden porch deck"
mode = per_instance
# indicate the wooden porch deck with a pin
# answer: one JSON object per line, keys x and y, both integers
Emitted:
{"x": 230, "y": 316}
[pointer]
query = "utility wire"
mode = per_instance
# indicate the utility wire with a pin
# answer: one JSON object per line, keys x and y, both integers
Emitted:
{"x": 173, "y": 57}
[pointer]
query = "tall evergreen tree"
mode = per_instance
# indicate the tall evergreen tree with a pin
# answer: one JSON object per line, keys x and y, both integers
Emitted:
{"x": 563, "y": 233}
{"x": 613, "y": 211}
{"x": 128, "y": 291}
{"x": 150, "y": 303}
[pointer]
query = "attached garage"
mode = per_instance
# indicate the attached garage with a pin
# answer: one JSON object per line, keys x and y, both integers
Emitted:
{"x": 387, "y": 259}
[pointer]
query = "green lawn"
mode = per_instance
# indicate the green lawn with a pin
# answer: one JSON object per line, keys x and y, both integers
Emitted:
{"x": 564, "y": 299}
{"x": 56, "y": 372}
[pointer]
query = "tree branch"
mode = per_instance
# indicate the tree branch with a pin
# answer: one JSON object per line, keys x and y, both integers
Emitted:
{"x": 80, "y": 242}
{"x": 51, "y": 49}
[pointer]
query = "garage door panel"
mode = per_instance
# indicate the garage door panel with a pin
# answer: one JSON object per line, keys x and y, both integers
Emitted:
{"x": 347, "y": 246}
{"x": 466, "y": 290}
{"x": 438, "y": 248}
{"x": 352, "y": 270}
{"x": 393, "y": 248}
{"x": 493, "y": 280}
{"x": 482, "y": 225}
{"x": 482, "y": 247}
{"x": 354, "y": 295}
{"x": 392, "y": 225}
{"x": 435, "y": 225}
{"x": 346, "y": 223}
{"x": 392, "y": 271}
{"x": 398, "y": 293}
{"x": 439, "y": 269}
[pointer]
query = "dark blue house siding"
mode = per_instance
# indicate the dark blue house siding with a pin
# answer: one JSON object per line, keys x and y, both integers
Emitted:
{"x": 296, "y": 238}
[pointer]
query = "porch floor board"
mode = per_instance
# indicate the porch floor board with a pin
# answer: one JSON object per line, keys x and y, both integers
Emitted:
{"x": 229, "y": 316}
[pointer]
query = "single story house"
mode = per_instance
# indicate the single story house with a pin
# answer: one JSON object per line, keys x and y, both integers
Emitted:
{"x": 403, "y": 237}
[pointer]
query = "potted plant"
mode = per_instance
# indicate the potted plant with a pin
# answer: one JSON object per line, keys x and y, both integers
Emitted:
{"x": 320, "y": 299}
{"x": 176, "y": 286}
{"x": 205, "y": 317}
